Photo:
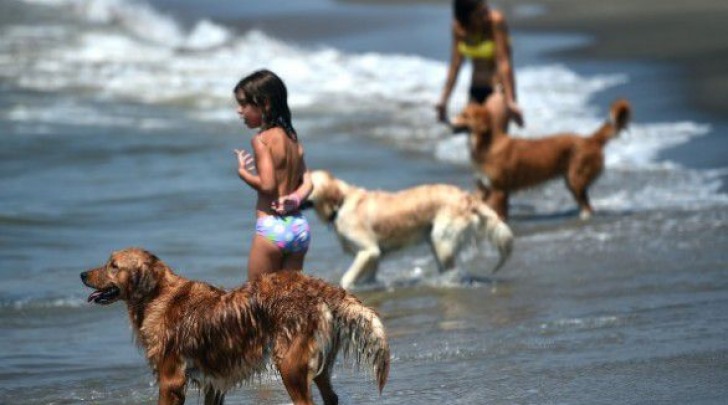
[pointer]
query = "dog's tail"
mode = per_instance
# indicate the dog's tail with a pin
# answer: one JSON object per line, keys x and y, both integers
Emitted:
{"x": 619, "y": 116}
{"x": 495, "y": 230}
{"x": 361, "y": 336}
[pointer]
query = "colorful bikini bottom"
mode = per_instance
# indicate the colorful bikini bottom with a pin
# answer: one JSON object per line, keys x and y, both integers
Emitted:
{"x": 291, "y": 233}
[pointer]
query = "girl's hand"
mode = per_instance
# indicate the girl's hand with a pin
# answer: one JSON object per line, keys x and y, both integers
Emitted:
{"x": 286, "y": 204}
{"x": 245, "y": 160}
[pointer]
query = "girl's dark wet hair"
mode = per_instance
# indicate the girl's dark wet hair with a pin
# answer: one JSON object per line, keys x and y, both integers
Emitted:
{"x": 463, "y": 8}
{"x": 266, "y": 90}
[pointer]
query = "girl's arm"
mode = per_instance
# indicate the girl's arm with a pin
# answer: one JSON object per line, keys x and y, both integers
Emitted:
{"x": 456, "y": 61}
{"x": 291, "y": 202}
{"x": 264, "y": 182}
{"x": 306, "y": 186}
{"x": 246, "y": 167}
{"x": 504, "y": 65}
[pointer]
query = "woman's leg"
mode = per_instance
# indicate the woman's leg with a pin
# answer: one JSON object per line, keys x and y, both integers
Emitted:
{"x": 496, "y": 105}
{"x": 264, "y": 257}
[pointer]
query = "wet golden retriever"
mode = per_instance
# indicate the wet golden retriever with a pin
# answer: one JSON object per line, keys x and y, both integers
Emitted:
{"x": 372, "y": 223}
{"x": 509, "y": 164}
{"x": 192, "y": 331}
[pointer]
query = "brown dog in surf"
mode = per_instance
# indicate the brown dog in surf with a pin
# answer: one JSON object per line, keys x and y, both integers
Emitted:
{"x": 193, "y": 332}
{"x": 506, "y": 164}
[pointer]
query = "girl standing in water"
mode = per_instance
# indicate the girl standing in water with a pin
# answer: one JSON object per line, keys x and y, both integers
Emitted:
{"x": 277, "y": 172}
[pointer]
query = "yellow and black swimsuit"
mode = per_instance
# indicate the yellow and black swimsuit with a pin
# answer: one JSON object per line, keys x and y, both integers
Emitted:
{"x": 484, "y": 49}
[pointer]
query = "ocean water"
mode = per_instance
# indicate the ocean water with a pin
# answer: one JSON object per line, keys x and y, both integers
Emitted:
{"x": 117, "y": 128}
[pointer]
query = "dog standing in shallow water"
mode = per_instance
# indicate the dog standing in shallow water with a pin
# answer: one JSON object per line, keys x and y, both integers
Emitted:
{"x": 217, "y": 339}
{"x": 511, "y": 164}
{"x": 371, "y": 223}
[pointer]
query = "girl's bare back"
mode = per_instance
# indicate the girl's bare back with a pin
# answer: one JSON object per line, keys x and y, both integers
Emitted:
{"x": 283, "y": 159}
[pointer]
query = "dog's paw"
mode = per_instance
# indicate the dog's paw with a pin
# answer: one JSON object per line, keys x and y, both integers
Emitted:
{"x": 585, "y": 215}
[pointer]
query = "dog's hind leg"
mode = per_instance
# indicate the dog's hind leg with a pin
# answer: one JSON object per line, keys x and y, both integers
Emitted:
{"x": 578, "y": 182}
{"x": 214, "y": 397}
{"x": 295, "y": 371}
{"x": 363, "y": 269}
{"x": 323, "y": 382}
{"x": 585, "y": 209}
{"x": 446, "y": 239}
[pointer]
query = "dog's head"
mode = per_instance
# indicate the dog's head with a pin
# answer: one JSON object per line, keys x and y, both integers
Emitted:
{"x": 129, "y": 275}
{"x": 474, "y": 118}
{"x": 327, "y": 195}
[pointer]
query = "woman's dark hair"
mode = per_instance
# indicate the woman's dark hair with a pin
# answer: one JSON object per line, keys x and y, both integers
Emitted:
{"x": 267, "y": 91}
{"x": 462, "y": 10}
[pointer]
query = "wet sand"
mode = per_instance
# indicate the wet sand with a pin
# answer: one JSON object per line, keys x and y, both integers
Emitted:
{"x": 691, "y": 34}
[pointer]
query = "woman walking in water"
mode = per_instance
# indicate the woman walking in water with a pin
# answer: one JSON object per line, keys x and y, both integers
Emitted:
{"x": 481, "y": 34}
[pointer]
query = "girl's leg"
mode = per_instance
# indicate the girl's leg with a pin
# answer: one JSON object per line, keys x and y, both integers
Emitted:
{"x": 264, "y": 258}
{"x": 293, "y": 261}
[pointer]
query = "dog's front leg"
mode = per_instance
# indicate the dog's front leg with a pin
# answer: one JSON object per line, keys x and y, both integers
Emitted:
{"x": 498, "y": 200}
{"x": 172, "y": 381}
{"x": 363, "y": 269}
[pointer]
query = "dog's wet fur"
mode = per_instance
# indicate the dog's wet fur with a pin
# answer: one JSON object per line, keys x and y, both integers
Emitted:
{"x": 193, "y": 332}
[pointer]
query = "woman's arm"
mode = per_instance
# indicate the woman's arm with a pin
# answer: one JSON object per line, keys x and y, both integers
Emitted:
{"x": 504, "y": 65}
{"x": 456, "y": 61}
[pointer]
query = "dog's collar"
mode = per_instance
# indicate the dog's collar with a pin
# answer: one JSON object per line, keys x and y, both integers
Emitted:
{"x": 307, "y": 204}
{"x": 333, "y": 216}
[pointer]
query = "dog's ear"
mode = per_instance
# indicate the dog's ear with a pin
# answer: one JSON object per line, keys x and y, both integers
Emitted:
{"x": 143, "y": 278}
{"x": 326, "y": 210}
{"x": 327, "y": 195}
{"x": 332, "y": 196}
{"x": 336, "y": 193}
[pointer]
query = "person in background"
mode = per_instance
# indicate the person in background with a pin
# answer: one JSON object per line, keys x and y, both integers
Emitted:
{"x": 481, "y": 34}
{"x": 277, "y": 172}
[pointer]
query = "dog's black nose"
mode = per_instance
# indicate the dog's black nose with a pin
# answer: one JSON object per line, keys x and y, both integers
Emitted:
{"x": 84, "y": 276}
{"x": 306, "y": 204}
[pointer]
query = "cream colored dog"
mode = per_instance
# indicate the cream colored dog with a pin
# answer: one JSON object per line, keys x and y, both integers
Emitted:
{"x": 372, "y": 223}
